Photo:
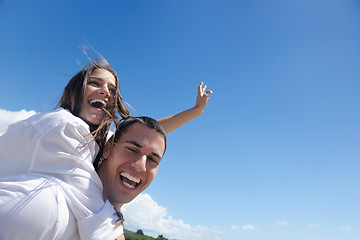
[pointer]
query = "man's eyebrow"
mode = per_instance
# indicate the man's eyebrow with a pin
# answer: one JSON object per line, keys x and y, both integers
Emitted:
{"x": 134, "y": 143}
{"x": 140, "y": 146}
{"x": 156, "y": 155}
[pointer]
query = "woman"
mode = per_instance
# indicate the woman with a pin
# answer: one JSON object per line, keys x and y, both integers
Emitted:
{"x": 51, "y": 154}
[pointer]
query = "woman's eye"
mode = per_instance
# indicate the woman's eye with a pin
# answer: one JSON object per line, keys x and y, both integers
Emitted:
{"x": 94, "y": 83}
{"x": 113, "y": 91}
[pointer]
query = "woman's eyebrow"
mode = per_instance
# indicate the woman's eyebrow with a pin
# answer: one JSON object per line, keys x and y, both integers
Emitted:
{"x": 97, "y": 78}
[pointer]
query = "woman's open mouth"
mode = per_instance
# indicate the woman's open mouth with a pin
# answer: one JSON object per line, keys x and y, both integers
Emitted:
{"x": 97, "y": 103}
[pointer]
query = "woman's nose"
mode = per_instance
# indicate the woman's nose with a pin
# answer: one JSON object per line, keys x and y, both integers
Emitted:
{"x": 104, "y": 90}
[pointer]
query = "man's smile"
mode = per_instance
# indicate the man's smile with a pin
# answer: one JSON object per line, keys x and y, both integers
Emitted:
{"x": 128, "y": 180}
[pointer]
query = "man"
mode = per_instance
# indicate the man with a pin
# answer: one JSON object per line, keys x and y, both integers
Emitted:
{"x": 131, "y": 160}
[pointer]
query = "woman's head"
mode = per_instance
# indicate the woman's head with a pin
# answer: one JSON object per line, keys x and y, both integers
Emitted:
{"x": 92, "y": 89}
{"x": 93, "y": 94}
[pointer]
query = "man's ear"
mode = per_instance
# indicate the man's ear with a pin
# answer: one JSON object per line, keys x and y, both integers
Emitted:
{"x": 106, "y": 152}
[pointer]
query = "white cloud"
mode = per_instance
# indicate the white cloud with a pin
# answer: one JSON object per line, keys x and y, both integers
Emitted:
{"x": 146, "y": 214}
{"x": 8, "y": 117}
{"x": 248, "y": 227}
{"x": 282, "y": 223}
{"x": 234, "y": 227}
{"x": 314, "y": 226}
{"x": 345, "y": 228}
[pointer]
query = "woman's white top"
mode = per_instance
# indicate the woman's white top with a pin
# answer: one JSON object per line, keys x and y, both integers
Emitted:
{"x": 49, "y": 188}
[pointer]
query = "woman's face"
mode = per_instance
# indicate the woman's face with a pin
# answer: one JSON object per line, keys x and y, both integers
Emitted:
{"x": 99, "y": 92}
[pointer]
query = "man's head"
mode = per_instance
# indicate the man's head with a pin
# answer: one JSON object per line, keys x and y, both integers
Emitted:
{"x": 131, "y": 162}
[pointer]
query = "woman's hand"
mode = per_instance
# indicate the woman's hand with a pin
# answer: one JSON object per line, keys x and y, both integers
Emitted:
{"x": 202, "y": 97}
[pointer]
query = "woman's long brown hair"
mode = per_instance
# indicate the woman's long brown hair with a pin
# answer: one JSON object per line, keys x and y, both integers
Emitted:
{"x": 72, "y": 99}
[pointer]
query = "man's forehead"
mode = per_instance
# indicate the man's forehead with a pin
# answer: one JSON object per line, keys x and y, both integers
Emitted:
{"x": 140, "y": 134}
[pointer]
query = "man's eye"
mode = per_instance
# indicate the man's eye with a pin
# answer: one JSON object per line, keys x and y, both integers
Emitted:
{"x": 131, "y": 149}
{"x": 153, "y": 159}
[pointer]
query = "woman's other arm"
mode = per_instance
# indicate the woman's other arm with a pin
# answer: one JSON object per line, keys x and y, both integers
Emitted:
{"x": 121, "y": 237}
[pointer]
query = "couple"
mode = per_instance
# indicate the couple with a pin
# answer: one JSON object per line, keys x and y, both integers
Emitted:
{"x": 51, "y": 187}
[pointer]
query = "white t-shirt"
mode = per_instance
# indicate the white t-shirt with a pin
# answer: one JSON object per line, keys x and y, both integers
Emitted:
{"x": 55, "y": 148}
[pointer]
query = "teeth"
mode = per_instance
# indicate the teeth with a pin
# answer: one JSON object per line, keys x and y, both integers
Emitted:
{"x": 129, "y": 185}
{"x": 131, "y": 178}
{"x": 97, "y": 102}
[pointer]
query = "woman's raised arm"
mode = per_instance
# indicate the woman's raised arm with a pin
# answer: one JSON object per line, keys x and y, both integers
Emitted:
{"x": 175, "y": 121}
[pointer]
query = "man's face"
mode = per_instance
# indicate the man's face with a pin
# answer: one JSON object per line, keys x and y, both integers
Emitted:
{"x": 130, "y": 167}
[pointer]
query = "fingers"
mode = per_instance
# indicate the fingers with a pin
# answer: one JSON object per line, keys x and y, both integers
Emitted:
{"x": 208, "y": 92}
{"x": 200, "y": 86}
{"x": 203, "y": 96}
{"x": 202, "y": 89}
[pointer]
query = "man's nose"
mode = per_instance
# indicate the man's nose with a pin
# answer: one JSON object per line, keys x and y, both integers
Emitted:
{"x": 140, "y": 163}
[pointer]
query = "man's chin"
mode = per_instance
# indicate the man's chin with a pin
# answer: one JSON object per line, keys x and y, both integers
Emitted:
{"x": 127, "y": 199}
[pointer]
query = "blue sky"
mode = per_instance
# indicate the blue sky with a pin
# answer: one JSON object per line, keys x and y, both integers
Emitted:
{"x": 275, "y": 155}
